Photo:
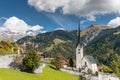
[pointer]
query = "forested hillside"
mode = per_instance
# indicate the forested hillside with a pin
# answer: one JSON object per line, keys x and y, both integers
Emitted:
{"x": 102, "y": 44}
{"x": 61, "y": 41}
{"x": 54, "y": 42}
{"x": 106, "y": 50}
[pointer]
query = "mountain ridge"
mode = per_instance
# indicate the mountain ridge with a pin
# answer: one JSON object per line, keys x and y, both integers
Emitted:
{"x": 69, "y": 38}
{"x": 102, "y": 44}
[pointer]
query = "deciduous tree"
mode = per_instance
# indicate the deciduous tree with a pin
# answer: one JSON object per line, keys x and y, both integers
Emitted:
{"x": 16, "y": 47}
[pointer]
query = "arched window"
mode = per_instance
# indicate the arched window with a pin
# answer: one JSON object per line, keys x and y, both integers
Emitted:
{"x": 85, "y": 63}
{"x": 78, "y": 51}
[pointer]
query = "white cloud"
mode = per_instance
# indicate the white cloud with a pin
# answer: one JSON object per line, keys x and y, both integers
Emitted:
{"x": 15, "y": 24}
{"x": 47, "y": 5}
{"x": 88, "y": 8}
{"x": 36, "y": 28}
{"x": 60, "y": 28}
{"x": 114, "y": 22}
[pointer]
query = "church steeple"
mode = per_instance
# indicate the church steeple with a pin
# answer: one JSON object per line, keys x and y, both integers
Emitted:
{"x": 78, "y": 33}
{"x": 79, "y": 50}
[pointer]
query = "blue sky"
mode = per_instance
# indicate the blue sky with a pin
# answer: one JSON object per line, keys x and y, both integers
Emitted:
{"x": 51, "y": 20}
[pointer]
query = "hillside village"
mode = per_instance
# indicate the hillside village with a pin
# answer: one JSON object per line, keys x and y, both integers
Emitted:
{"x": 86, "y": 64}
{"x": 59, "y": 39}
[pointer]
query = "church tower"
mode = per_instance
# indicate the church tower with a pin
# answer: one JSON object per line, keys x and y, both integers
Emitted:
{"x": 79, "y": 51}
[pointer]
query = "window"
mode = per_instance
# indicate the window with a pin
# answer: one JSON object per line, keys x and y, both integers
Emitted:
{"x": 85, "y": 63}
{"x": 78, "y": 51}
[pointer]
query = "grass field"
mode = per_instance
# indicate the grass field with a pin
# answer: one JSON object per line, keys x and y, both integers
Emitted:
{"x": 48, "y": 74}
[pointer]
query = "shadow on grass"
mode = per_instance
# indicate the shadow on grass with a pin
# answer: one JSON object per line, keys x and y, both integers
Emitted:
{"x": 52, "y": 67}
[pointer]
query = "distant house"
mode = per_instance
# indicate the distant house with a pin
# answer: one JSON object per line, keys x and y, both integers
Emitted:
{"x": 64, "y": 63}
{"x": 100, "y": 68}
{"x": 43, "y": 56}
{"x": 23, "y": 48}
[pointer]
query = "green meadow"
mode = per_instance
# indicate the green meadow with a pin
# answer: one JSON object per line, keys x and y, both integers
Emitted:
{"x": 48, "y": 74}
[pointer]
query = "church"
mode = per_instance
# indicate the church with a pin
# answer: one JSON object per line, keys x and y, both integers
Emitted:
{"x": 84, "y": 62}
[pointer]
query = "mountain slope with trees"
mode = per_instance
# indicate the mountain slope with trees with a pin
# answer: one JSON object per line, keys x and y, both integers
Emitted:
{"x": 106, "y": 50}
{"x": 102, "y": 43}
{"x": 62, "y": 41}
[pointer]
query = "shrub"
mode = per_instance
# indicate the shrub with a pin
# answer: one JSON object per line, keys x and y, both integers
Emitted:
{"x": 31, "y": 61}
{"x": 89, "y": 71}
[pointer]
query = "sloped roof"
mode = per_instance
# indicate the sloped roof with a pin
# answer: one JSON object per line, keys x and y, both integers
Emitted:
{"x": 79, "y": 45}
{"x": 91, "y": 59}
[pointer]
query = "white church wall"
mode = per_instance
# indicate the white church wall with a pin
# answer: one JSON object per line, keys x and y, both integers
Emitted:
{"x": 94, "y": 68}
{"x": 79, "y": 56}
{"x": 91, "y": 66}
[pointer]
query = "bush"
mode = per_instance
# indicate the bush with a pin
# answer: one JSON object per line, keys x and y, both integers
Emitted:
{"x": 82, "y": 78}
{"x": 106, "y": 69}
{"x": 52, "y": 61}
{"x": 96, "y": 73}
{"x": 71, "y": 63}
{"x": 31, "y": 61}
{"x": 89, "y": 71}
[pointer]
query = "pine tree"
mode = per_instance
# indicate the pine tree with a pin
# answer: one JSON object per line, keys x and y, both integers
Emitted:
{"x": 31, "y": 61}
{"x": 71, "y": 63}
{"x": 58, "y": 59}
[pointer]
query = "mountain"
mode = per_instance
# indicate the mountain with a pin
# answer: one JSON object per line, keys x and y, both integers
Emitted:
{"x": 92, "y": 32}
{"x": 101, "y": 42}
{"x": 106, "y": 43}
{"x": 54, "y": 42}
{"x": 106, "y": 49}
{"x": 94, "y": 28}
{"x": 63, "y": 41}
{"x": 14, "y": 36}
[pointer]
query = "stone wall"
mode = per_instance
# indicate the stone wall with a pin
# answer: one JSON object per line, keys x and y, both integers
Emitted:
{"x": 5, "y": 61}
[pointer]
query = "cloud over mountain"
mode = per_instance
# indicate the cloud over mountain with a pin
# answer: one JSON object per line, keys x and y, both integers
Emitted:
{"x": 16, "y": 25}
{"x": 114, "y": 22}
{"x": 88, "y": 8}
{"x": 59, "y": 28}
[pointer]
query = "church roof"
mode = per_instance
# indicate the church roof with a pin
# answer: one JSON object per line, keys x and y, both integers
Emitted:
{"x": 90, "y": 59}
{"x": 79, "y": 45}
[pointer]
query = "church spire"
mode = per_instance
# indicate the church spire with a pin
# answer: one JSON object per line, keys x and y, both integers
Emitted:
{"x": 78, "y": 31}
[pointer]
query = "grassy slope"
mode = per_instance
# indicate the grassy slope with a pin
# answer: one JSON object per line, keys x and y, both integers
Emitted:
{"x": 48, "y": 74}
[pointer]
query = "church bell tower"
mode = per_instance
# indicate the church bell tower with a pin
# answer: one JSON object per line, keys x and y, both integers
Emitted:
{"x": 79, "y": 50}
